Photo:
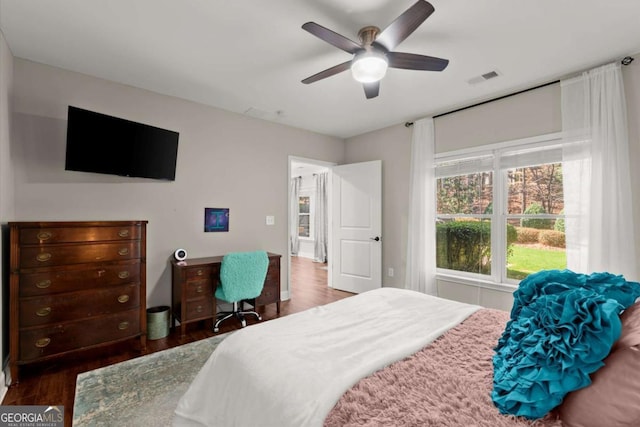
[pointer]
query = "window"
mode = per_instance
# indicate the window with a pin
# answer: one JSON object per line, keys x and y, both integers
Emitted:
{"x": 499, "y": 212}
{"x": 304, "y": 216}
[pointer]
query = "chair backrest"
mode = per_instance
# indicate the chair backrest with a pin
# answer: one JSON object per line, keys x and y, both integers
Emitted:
{"x": 242, "y": 274}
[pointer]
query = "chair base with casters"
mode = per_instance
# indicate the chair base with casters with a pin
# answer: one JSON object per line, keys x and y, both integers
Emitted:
{"x": 236, "y": 312}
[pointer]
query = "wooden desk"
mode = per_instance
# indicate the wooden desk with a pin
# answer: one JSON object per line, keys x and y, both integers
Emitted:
{"x": 193, "y": 287}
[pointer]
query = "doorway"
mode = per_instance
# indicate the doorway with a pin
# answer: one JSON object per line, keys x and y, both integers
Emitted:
{"x": 309, "y": 251}
{"x": 352, "y": 228}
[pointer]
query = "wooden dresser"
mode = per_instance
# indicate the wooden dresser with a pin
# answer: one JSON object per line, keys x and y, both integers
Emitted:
{"x": 74, "y": 286}
{"x": 194, "y": 282}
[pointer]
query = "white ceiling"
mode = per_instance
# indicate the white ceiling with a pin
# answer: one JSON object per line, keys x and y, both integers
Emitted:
{"x": 249, "y": 56}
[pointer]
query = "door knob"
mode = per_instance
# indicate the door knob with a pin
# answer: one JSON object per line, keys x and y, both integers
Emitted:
{"x": 377, "y": 238}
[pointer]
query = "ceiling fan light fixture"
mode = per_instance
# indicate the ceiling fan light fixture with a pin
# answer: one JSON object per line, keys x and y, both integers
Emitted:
{"x": 369, "y": 67}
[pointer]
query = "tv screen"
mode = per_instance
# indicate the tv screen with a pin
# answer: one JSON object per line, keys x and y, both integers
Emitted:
{"x": 105, "y": 144}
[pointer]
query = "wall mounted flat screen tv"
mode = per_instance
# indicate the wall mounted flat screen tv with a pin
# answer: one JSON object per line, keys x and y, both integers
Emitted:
{"x": 110, "y": 145}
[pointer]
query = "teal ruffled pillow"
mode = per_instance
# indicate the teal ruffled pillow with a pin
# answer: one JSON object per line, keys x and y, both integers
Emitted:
{"x": 562, "y": 326}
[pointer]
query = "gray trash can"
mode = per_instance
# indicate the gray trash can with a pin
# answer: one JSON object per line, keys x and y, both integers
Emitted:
{"x": 158, "y": 322}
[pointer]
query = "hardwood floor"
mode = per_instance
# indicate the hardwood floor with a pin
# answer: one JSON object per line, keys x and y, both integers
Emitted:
{"x": 54, "y": 382}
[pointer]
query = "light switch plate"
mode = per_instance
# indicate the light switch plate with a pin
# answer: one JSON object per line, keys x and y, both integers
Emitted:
{"x": 271, "y": 220}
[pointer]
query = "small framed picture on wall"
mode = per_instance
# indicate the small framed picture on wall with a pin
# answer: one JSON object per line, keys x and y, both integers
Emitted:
{"x": 216, "y": 219}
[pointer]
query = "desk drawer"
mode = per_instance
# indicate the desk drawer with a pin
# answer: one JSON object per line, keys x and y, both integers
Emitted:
{"x": 44, "y": 256}
{"x": 46, "y": 341}
{"x": 198, "y": 288}
{"x": 39, "y": 236}
{"x": 201, "y": 308}
{"x": 270, "y": 294}
{"x": 197, "y": 273}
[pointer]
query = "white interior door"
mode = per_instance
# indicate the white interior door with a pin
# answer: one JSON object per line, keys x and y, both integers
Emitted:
{"x": 356, "y": 211}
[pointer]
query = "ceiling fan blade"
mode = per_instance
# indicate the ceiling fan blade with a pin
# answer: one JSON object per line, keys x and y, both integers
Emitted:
{"x": 411, "y": 61}
{"x": 371, "y": 90}
{"x": 405, "y": 24}
{"x": 331, "y": 37}
{"x": 328, "y": 72}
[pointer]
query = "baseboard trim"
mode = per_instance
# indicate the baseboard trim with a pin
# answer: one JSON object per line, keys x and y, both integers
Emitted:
{"x": 3, "y": 384}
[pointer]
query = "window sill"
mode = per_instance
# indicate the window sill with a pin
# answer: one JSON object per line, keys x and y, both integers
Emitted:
{"x": 468, "y": 281}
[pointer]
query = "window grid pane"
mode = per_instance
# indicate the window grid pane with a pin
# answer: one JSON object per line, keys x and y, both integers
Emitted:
{"x": 303, "y": 225}
{"x": 304, "y": 203}
{"x": 535, "y": 224}
{"x": 465, "y": 194}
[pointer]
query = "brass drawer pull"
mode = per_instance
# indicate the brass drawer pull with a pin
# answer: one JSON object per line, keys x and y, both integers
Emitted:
{"x": 123, "y": 251}
{"x": 123, "y": 298}
{"x": 44, "y": 235}
{"x": 44, "y": 284}
{"x": 43, "y": 312}
{"x": 199, "y": 289}
{"x": 43, "y": 342}
{"x": 123, "y": 274}
{"x": 123, "y": 325}
{"x": 123, "y": 233}
{"x": 199, "y": 309}
{"x": 43, "y": 257}
{"x": 200, "y": 272}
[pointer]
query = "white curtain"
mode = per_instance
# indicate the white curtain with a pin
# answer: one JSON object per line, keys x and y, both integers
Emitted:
{"x": 421, "y": 248}
{"x": 599, "y": 223}
{"x": 294, "y": 193}
{"x": 320, "y": 218}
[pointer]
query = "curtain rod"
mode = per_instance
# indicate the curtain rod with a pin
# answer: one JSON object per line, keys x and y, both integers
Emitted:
{"x": 625, "y": 61}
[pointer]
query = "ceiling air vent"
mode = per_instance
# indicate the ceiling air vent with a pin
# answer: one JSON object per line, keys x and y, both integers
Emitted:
{"x": 484, "y": 77}
{"x": 262, "y": 114}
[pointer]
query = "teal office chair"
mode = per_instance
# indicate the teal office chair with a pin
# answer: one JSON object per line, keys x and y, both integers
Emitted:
{"x": 242, "y": 276}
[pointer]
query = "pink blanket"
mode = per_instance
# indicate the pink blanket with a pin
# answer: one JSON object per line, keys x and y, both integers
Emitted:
{"x": 446, "y": 384}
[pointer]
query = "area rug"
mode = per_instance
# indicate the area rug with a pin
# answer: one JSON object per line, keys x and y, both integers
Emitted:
{"x": 143, "y": 391}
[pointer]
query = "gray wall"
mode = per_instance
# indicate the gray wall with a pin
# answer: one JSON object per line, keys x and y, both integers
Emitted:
{"x": 531, "y": 113}
{"x": 225, "y": 160}
{"x": 6, "y": 180}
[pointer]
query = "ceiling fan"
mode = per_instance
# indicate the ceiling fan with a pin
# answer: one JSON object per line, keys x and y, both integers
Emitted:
{"x": 373, "y": 54}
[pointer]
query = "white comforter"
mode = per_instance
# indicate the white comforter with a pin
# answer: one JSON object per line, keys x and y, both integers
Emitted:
{"x": 291, "y": 371}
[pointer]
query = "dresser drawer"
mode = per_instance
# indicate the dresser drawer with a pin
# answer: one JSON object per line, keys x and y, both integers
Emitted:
{"x": 46, "y": 341}
{"x": 199, "y": 288}
{"x": 199, "y": 309}
{"x": 78, "y": 305}
{"x": 38, "y": 236}
{"x": 44, "y": 256}
{"x": 65, "y": 279}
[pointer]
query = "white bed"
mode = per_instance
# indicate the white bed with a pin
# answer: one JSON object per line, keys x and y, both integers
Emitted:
{"x": 291, "y": 371}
